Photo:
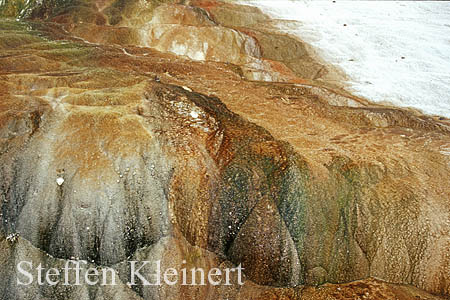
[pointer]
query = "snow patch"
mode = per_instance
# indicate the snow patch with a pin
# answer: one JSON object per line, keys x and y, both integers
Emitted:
{"x": 60, "y": 180}
{"x": 394, "y": 51}
{"x": 194, "y": 114}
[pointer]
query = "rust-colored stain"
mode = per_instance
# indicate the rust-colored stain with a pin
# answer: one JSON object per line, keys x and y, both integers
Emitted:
{"x": 94, "y": 104}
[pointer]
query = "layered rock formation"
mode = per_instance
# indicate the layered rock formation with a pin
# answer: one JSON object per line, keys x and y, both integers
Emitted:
{"x": 195, "y": 134}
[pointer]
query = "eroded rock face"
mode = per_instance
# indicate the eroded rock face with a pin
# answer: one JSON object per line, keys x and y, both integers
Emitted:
{"x": 111, "y": 152}
{"x": 203, "y": 31}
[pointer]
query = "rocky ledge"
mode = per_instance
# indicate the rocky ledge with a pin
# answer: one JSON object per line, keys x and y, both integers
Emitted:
{"x": 195, "y": 134}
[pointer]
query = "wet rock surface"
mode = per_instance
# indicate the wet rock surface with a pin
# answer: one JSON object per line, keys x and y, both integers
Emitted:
{"x": 111, "y": 152}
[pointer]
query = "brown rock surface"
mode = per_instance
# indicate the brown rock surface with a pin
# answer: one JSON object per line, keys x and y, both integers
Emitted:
{"x": 299, "y": 181}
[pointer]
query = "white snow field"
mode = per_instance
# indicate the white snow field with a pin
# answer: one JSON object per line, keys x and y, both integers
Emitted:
{"x": 394, "y": 51}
